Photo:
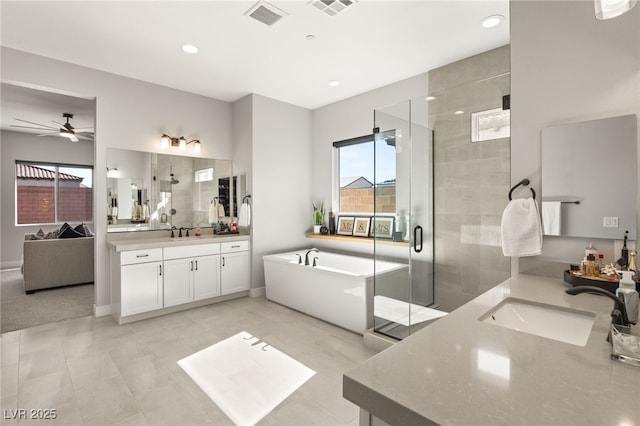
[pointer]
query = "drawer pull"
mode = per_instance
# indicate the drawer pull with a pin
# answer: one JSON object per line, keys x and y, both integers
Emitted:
{"x": 142, "y": 255}
{"x": 235, "y": 246}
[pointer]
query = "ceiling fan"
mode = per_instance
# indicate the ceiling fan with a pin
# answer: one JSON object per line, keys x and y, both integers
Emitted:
{"x": 66, "y": 130}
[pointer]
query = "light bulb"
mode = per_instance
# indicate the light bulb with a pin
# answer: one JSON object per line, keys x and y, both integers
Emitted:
{"x": 164, "y": 142}
{"x": 183, "y": 143}
{"x": 196, "y": 147}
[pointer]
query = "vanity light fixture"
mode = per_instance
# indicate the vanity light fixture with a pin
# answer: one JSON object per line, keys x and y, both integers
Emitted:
{"x": 607, "y": 9}
{"x": 181, "y": 143}
{"x": 112, "y": 171}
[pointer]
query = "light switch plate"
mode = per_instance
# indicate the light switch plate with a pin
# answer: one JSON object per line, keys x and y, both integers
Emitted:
{"x": 610, "y": 221}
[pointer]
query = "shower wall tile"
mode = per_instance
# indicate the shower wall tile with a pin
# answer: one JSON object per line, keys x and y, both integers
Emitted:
{"x": 471, "y": 180}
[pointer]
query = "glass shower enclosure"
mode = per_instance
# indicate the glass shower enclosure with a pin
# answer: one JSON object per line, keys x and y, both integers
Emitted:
{"x": 402, "y": 225}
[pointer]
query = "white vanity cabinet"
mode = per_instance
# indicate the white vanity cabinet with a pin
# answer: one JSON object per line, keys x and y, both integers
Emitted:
{"x": 234, "y": 275}
{"x": 141, "y": 287}
{"x": 175, "y": 275}
{"x": 191, "y": 273}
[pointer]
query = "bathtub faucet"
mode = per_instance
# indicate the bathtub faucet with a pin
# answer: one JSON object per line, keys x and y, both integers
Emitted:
{"x": 306, "y": 256}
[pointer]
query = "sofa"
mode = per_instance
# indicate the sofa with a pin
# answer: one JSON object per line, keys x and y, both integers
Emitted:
{"x": 56, "y": 262}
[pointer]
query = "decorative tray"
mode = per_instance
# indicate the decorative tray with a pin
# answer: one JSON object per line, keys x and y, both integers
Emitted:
{"x": 610, "y": 284}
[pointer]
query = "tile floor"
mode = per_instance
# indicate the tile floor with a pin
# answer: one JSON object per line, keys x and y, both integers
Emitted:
{"x": 95, "y": 372}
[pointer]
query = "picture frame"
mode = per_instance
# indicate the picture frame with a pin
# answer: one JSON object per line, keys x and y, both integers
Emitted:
{"x": 361, "y": 226}
{"x": 345, "y": 225}
{"x": 382, "y": 226}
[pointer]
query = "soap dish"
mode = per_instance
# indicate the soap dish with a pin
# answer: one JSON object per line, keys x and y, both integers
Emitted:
{"x": 625, "y": 344}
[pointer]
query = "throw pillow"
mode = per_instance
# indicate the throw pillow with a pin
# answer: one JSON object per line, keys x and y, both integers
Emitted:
{"x": 51, "y": 235}
{"x": 87, "y": 231}
{"x": 80, "y": 229}
{"x": 66, "y": 231}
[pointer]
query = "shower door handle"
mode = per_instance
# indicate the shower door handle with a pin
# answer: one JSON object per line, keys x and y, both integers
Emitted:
{"x": 417, "y": 248}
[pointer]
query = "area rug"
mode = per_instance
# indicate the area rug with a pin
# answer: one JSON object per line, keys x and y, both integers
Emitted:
{"x": 404, "y": 313}
{"x": 19, "y": 310}
{"x": 245, "y": 376}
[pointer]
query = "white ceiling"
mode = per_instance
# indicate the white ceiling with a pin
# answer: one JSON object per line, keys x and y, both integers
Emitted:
{"x": 372, "y": 44}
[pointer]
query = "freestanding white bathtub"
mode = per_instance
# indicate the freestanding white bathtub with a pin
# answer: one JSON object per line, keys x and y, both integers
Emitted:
{"x": 338, "y": 290}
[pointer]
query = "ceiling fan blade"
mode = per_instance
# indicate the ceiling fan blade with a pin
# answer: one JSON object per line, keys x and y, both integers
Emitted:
{"x": 49, "y": 134}
{"x": 29, "y": 127}
{"x": 81, "y": 128}
{"x": 86, "y": 138}
{"x": 37, "y": 124}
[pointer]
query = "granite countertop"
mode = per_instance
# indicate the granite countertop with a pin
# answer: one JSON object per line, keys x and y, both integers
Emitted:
{"x": 129, "y": 242}
{"x": 460, "y": 371}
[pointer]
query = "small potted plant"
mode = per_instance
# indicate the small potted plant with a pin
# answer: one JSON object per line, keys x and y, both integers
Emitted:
{"x": 318, "y": 216}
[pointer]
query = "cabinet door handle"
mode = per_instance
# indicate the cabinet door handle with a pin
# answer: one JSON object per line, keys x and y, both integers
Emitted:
{"x": 192, "y": 265}
{"x": 160, "y": 270}
{"x": 235, "y": 246}
{"x": 142, "y": 255}
{"x": 223, "y": 261}
{"x": 196, "y": 265}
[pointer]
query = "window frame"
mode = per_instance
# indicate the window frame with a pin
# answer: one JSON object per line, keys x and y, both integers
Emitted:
{"x": 56, "y": 189}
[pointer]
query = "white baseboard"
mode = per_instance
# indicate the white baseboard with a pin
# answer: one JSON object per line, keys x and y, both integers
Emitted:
{"x": 257, "y": 292}
{"x": 101, "y": 311}
{"x": 11, "y": 264}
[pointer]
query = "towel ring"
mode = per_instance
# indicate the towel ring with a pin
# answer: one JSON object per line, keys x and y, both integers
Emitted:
{"x": 523, "y": 182}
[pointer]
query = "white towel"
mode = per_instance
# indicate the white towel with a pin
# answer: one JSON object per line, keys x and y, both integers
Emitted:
{"x": 551, "y": 217}
{"x": 521, "y": 228}
{"x": 213, "y": 213}
{"x": 221, "y": 212}
{"x": 244, "y": 217}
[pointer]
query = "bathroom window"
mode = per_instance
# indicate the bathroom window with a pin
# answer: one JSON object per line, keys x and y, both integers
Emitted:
{"x": 53, "y": 193}
{"x": 366, "y": 173}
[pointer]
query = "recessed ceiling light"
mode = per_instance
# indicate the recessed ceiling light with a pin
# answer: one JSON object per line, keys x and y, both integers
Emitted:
{"x": 334, "y": 83}
{"x": 310, "y": 37}
{"x": 458, "y": 112}
{"x": 189, "y": 48}
{"x": 430, "y": 98}
{"x": 492, "y": 21}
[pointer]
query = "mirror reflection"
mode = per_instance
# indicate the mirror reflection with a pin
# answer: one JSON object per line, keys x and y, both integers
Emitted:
{"x": 588, "y": 190}
{"x": 150, "y": 191}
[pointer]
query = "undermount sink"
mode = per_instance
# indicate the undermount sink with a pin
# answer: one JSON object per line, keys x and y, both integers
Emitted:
{"x": 553, "y": 322}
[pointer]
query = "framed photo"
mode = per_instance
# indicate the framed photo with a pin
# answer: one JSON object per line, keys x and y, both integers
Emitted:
{"x": 345, "y": 225}
{"x": 382, "y": 226}
{"x": 361, "y": 227}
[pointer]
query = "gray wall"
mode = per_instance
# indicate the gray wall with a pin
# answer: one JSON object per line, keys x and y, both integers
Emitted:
{"x": 566, "y": 67}
{"x": 130, "y": 114}
{"x": 22, "y": 146}
{"x": 471, "y": 179}
{"x": 281, "y": 158}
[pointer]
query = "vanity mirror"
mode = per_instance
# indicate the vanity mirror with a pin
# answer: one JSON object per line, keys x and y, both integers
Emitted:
{"x": 151, "y": 191}
{"x": 590, "y": 178}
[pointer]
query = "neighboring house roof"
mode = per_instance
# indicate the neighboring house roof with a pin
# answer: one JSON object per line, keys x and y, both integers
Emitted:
{"x": 355, "y": 182}
{"x": 26, "y": 171}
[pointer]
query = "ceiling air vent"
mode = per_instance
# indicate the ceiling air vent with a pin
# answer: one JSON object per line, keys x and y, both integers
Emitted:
{"x": 265, "y": 12}
{"x": 332, "y": 7}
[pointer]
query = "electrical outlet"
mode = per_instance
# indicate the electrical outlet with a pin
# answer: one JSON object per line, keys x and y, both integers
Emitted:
{"x": 610, "y": 221}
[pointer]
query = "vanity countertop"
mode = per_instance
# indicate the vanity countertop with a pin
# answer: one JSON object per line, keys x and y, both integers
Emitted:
{"x": 460, "y": 371}
{"x": 133, "y": 243}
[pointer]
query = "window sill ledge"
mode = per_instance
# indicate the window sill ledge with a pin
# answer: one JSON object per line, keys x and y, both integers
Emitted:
{"x": 350, "y": 239}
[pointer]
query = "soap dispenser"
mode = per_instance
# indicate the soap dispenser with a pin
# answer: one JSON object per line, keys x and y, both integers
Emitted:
{"x": 627, "y": 292}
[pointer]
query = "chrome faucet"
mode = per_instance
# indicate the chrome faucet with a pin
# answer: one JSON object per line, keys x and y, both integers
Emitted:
{"x": 306, "y": 256}
{"x": 299, "y": 258}
{"x": 315, "y": 263}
